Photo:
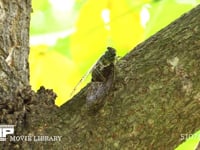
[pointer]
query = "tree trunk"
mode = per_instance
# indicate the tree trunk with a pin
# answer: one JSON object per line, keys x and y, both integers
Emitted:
{"x": 153, "y": 101}
{"x": 14, "y": 42}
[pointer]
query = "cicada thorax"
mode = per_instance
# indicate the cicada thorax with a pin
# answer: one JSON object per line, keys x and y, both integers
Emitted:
{"x": 100, "y": 74}
{"x": 104, "y": 66}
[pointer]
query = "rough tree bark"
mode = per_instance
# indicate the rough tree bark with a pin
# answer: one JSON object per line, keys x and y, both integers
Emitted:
{"x": 154, "y": 99}
{"x": 14, "y": 44}
{"x": 16, "y": 96}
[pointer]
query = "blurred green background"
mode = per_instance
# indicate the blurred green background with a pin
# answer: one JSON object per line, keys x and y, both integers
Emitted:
{"x": 68, "y": 36}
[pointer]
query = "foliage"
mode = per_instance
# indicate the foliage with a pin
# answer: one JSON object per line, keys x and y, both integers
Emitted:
{"x": 46, "y": 70}
{"x": 191, "y": 143}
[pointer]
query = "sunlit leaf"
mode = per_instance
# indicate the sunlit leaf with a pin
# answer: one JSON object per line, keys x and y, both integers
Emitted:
{"x": 164, "y": 12}
{"x": 90, "y": 36}
{"x": 191, "y": 142}
{"x": 126, "y": 29}
{"x": 93, "y": 34}
{"x": 52, "y": 70}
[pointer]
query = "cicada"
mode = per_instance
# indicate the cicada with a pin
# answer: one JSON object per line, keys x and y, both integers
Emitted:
{"x": 102, "y": 77}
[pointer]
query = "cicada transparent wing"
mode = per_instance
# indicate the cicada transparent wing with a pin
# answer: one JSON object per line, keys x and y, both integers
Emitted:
{"x": 98, "y": 70}
{"x": 83, "y": 78}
